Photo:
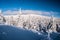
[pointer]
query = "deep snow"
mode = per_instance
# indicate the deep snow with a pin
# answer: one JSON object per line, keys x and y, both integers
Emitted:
{"x": 14, "y": 33}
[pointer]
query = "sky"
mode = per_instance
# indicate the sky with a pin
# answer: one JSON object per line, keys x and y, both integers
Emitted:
{"x": 50, "y": 7}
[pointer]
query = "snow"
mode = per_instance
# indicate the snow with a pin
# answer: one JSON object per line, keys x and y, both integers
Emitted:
{"x": 4, "y": 33}
{"x": 29, "y": 27}
{"x": 13, "y": 33}
{"x": 30, "y": 21}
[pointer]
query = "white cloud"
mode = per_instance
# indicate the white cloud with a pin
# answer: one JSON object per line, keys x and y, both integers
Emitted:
{"x": 36, "y": 12}
{"x": 31, "y": 12}
{"x": 9, "y": 12}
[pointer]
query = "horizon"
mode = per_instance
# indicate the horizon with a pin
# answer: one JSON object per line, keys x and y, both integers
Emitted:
{"x": 41, "y": 7}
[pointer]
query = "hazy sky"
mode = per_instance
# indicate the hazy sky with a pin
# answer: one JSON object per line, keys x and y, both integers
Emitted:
{"x": 40, "y": 5}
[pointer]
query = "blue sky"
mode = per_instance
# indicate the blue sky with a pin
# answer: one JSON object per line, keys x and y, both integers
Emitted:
{"x": 40, "y": 5}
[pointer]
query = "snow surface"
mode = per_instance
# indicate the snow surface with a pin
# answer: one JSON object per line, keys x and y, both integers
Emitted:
{"x": 13, "y": 33}
{"x": 30, "y": 21}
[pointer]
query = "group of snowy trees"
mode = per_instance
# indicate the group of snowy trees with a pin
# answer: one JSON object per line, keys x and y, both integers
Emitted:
{"x": 32, "y": 22}
{"x": 2, "y": 19}
{"x": 35, "y": 23}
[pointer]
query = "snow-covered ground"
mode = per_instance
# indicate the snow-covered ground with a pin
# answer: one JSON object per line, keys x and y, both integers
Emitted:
{"x": 32, "y": 22}
{"x": 29, "y": 27}
{"x": 14, "y": 33}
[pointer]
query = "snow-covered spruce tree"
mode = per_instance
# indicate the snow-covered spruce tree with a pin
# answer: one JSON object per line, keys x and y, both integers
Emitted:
{"x": 57, "y": 28}
{"x": 2, "y": 19}
{"x": 12, "y": 21}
